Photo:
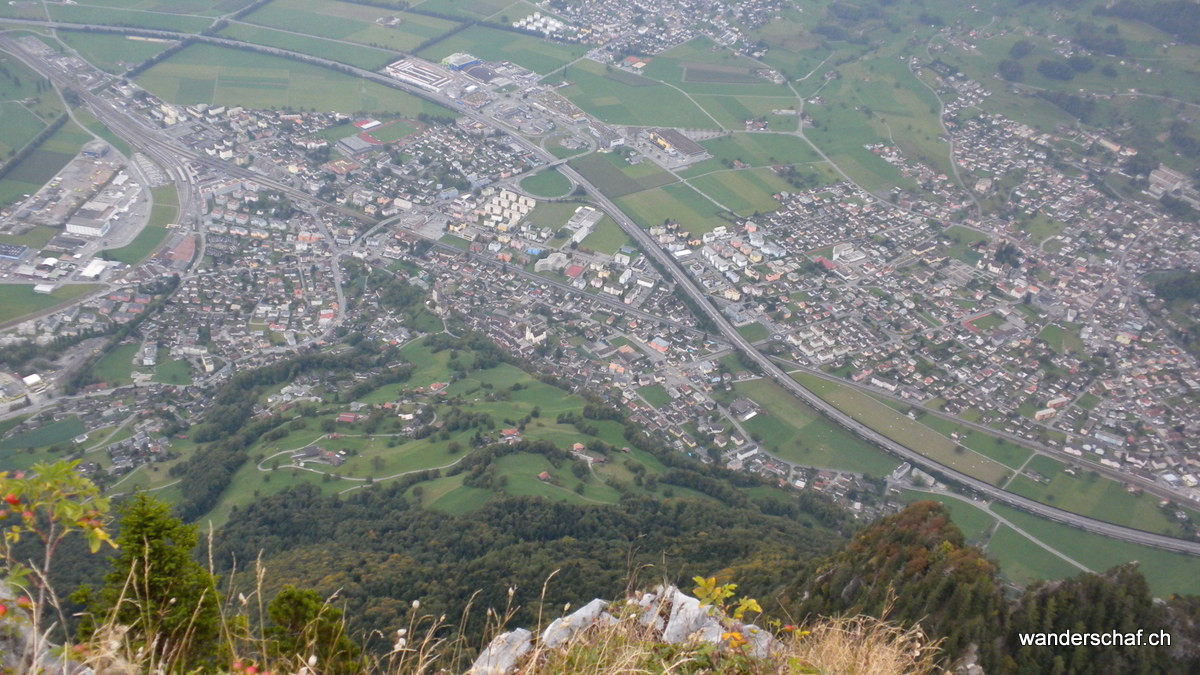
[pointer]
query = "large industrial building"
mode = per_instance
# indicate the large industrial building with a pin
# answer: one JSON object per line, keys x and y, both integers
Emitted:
{"x": 423, "y": 74}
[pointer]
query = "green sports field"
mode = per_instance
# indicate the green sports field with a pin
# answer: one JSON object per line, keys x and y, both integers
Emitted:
{"x": 161, "y": 214}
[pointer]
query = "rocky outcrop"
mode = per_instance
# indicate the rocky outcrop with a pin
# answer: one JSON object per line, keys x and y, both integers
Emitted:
{"x": 672, "y": 616}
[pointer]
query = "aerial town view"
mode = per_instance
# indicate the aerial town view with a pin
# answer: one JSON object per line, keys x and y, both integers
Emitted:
{"x": 882, "y": 308}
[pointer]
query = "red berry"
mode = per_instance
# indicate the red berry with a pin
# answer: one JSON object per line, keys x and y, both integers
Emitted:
{"x": 3, "y": 513}
{"x": 12, "y": 499}
{"x": 27, "y": 513}
{"x": 3, "y": 610}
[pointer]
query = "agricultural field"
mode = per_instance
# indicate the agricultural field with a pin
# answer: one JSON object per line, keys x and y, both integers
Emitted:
{"x": 482, "y": 9}
{"x": 1167, "y": 573}
{"x": 1090, "y": 494}
{"x": 1041, "y": 228}
{"x": 540, "y": 56}
{"x": 20, "y": 125}
{"x": 987, "y": 322}
{"x": 794, "y": 432}
{"x": 1023, "y": 562}
{"x": 974, "y": 522}
{"x": 746, "y": 193}
{"x": 219, "y": 76}
{"x": 194, "y": 7}
{"x": 27, "y": 105}
{"x": 962, "y": 242}
{"x": 20, "y": 300}
{"x": 547, "y": 183}
{"x": 695, "y": 212}
{"x": 619, "y": 97}
{"x": 734, "y": 111}
{"x": 886, "y": 96}
{"x": 351, "y": 23}
{"x": 841, "y": 134}
{"x": 795, "y": 52}
{"x": 613, "y": 175}
{"x": 700, "y": 67}
{"x": 903, "y": 430}
{"x": 112, "y": 53}
{"x": 50, "y": 434}
{"x": 753, "y": 149}
{"x": 360, "y": 56}
{"x": 1008, "y": 454}
{"x": 115, "y": 16}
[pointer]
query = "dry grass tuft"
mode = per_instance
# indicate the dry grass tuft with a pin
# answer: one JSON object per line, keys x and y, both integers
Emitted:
{"x": 864, "y": 645}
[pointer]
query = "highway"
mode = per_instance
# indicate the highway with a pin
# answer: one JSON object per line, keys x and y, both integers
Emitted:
{"x": 681, "y": 279}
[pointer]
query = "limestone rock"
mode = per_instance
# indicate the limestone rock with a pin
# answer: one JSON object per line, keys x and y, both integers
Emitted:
{"x": 502, "y": 653}
{"x": 563, "y": 628}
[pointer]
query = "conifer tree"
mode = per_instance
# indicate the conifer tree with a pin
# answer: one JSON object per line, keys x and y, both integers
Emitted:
{"x": 156, "y": 589}
{"x": 301, "y": 624}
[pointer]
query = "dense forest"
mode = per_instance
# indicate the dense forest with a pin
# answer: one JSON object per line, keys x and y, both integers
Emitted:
{"x": 381, "y": 552}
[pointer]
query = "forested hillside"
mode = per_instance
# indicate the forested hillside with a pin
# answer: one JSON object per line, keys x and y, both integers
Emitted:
{"x": 381, "y": 552}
